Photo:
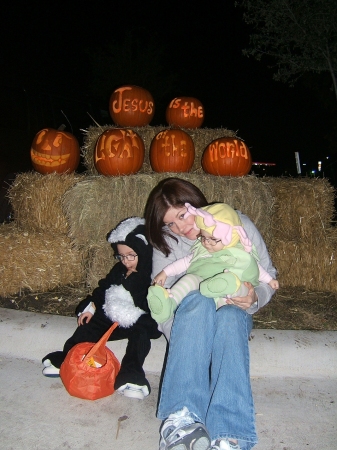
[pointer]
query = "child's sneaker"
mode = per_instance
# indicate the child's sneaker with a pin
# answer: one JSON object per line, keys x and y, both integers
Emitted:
{"x": 134, "y": 391}
{"x": 224, "y": 444}
{"x": 50, "y": 370}
{"x": 180, "y": 431}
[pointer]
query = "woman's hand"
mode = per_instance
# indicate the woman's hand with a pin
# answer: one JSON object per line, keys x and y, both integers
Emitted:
{"x": 84, "y": 318}
{"x": 244, "y": 302}
{"x": 160, "y": 278}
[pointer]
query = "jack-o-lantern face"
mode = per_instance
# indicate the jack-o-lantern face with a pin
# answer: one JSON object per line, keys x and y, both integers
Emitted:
{"x": 131, "y": 106}
{"x": 227, "y": 157}
{"x": 172, "y": 151}
{"x": 185, "y": 112}
{"x": 55, "y": 151}
{"x": 119, "y": 152}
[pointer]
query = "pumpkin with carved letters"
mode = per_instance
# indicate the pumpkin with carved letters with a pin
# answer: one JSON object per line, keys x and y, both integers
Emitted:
{"x": 172, "y": 151}
{"x": 227, "y": 156}
{"x": 119, "y": 151}
{"x": 185, "y": 112}
{"x": 131, "y": 106}
{"x": 55, "y": 151}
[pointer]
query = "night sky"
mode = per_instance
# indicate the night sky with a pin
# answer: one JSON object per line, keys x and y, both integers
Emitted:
{"x": 45, "y": 66}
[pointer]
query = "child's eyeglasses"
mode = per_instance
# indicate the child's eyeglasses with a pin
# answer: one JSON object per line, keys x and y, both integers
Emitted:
{"x": 127, "y": 257}
{"x": 210, "y": 241}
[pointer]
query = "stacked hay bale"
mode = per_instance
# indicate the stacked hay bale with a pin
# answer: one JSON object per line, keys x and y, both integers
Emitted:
{"x": 304, "y": 236}
{"x": 59, "y": 233}
{"x": 96, "y": 204}
{"x": 35, "y": 250}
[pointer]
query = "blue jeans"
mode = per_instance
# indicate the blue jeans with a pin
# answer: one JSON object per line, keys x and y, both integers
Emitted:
{"x": 207, "y": 369}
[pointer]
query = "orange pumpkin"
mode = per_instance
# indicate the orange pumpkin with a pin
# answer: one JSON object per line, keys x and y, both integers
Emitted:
{"x": 55, "y": 151}
{"x": 172, "y": 151}
{"x": 119, "y": 152}
{"x": 185, "y": 112}
{"x": 227, "y": 157}
{"x": 131, "y": 106}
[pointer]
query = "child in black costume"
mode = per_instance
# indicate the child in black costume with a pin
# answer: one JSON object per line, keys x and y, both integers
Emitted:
{"x": 120, "y": 297}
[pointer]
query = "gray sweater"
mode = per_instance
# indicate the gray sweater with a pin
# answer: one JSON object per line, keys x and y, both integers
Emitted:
{"x": 182, "y": 248}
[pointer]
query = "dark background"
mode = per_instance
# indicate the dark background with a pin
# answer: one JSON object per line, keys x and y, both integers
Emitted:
{"x": 62, "y": 60}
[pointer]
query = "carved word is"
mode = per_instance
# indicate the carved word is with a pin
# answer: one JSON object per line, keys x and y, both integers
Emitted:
{"x": 169, "y": 145}
{"x": 188, "y": 108}
{"x": 220, "y": 150}
{"x": 125, "y": 104}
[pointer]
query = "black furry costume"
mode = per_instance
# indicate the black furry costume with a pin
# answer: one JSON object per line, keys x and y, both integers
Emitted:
{"x": 122, "y": 300}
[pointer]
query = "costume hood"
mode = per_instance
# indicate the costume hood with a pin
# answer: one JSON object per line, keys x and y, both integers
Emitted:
{"x": 222, "y": 222}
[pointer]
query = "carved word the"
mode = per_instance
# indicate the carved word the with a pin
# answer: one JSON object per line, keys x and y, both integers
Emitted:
{"x": 188, "y": 108}
{"x": 169, "y": 145}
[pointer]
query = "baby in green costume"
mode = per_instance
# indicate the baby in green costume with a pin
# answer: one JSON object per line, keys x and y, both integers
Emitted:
{"x": 220, "y": 261}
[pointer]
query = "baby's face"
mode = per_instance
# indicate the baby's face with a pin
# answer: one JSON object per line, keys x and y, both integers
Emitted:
{"x": 210, "y": 243}
{"x": 126, "y": 255}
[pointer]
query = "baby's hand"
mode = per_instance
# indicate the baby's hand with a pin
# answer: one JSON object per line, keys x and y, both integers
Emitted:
{"x": 84, "y": 318}
{"x": 160, "y": 278}
{"x": 274, "y": 284}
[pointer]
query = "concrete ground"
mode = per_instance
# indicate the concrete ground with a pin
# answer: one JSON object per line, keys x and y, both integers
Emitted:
{"x": 294, "y": 379}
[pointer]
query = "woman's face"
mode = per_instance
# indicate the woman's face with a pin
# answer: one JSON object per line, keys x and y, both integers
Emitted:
{"x": 175, "y": 220}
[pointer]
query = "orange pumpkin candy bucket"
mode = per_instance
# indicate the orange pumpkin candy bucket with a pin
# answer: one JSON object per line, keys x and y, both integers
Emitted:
{"x": 89, "y": 370}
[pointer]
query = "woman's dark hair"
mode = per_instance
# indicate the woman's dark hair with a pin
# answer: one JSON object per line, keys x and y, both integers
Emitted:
{"x": 170, "y": 192}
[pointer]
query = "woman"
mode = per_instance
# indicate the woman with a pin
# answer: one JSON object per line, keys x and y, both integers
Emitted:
{"x": 206, "y": 399}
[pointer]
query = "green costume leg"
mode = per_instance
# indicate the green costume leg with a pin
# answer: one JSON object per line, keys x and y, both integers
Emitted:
{"x": 223, "y": 284}
{"x": 162, "y": 304}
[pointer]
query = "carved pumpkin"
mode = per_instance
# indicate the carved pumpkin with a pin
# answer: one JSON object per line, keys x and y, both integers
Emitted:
{"x": 131, "y": 106}
{"x": 55, "y": 151}
{"x": 185, "y": 112}
{"x": 172, "y": 151}
{"x": 119, "y": 152}
{"x": 227, "y": 157}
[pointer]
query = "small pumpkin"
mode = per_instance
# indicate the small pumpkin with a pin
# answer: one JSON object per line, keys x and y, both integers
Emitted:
{"x": 172, "y": 151}
{"x": 185, "y": 112}
{"x": 131, "y": 106}
{"x": 227, "y": 157}
{"x": 55, "y": 151}
{"x": 119, "y": 152}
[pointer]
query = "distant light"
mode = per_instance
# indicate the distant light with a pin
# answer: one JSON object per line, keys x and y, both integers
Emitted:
{"x": 263, "y": 164}
{"x": 319, "y": 166}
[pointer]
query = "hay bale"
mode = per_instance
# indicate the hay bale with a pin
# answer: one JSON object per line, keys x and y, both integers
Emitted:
{"x": 201, "y": 138}
{"x": 96, "y": 204}
{"x": 304, "y": 208}
{"x": 36, "y": 200}
{"x": 99, "y": 262}
{"x": 36, "y": 261}
{"x": 309, "y": 265}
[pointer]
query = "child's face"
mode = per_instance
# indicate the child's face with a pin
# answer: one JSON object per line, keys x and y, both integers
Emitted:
{"x": 209, "y": 242}
{"x": 127, "y": 254}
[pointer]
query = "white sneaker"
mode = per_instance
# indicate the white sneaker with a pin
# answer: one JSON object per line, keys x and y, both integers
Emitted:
{"x": 50, "y": 371}
{"x": 181, "y": 432}
{"x": 46, "y": 363}
{"x": 224, "y": 444}
{"x": 134, "y": 391}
